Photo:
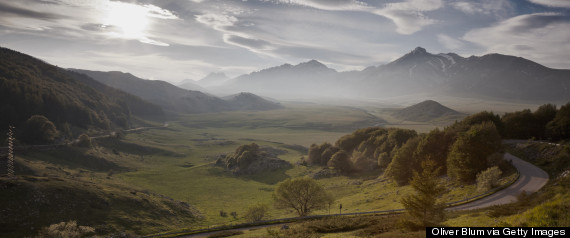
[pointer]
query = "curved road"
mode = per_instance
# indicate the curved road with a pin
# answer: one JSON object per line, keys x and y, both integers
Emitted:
{"x": 531, "y": 179}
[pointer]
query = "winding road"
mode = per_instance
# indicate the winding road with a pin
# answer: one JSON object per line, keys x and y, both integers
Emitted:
{"x": 531, "y": 179}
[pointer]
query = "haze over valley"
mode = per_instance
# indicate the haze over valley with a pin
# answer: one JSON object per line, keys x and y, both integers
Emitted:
{"x": 282, "y": 118}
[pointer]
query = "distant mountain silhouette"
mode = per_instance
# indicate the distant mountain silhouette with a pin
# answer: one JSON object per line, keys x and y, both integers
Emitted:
{"x": 250, "y": 101}
{"x": 426, "y": 111}
{"x": 496, "y": 76}
{"x": 168, "y": 96}
{"x": 213, "y": 79}
{"x": 175, "y": 99}
{"x": 308, "y": 78}
{"x": 190, "y": 84}
{"x": 29, "y": 86}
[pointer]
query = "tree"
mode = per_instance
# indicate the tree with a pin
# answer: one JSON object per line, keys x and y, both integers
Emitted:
{"x": 543, "y": 115}
{"x": 559, "y": 127}
{"x": 521, "y": 125}
{"x": 255, "y": 213}
{"x": 39, "y": 129}
{"x": 404, "y": 162}
{"x": 301, "y": 194}
{"x": 469, "y": 153}
{"x": 423, "y": 207}
{"x": 341, "y": 161}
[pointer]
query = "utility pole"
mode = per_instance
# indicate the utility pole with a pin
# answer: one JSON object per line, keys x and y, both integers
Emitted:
{"x": 11, "y": 152}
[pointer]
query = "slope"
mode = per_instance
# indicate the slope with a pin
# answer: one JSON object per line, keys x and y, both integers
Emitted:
{"x": 29, "y": 86}
{"x": 426, "y": 111}
{"x": 166, "y": 95}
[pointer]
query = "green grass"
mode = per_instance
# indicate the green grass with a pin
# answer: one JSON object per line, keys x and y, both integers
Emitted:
{"x": 177, "y": 162}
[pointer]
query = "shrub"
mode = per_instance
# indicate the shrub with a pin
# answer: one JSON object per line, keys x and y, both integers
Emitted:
{"x": 84, "y": 141}
{"x": 68, "y": 229}
{"x": 256, "y": 213}
{"x": 223, "y": 213}
{"x": 488, "y": 179}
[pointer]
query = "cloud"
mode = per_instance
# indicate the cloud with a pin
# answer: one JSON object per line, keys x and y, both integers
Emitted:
{"x": 449, "y": 42}
{"x": 10, "y": 10}
{"x": 330, "y": 5}
{"x": 94, "y": 20}
{"x": 542, "y": 37}
{"x": 408, "y": 15}
{"x": 217, "y": 21}
{"x": 553, "y": 3}
{"x": 252, "y": 44}
{"x": 498, "y": 8}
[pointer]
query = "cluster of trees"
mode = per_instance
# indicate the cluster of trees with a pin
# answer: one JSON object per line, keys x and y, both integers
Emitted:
{"x": 461, "y": 150}
{"x": 546, "y": 122}
{"x": 242, "y": 157}
{"x": 363, "y": 150}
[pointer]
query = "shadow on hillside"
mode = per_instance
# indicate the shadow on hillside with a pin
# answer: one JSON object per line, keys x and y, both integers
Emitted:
{"x": 120, "y": 146}
{"x": 267, "y": 177}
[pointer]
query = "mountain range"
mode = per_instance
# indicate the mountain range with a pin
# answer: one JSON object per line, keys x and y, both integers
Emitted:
{"x": 79, "y": 100}
{"x": 177, "y": 100}
{"x": 494, "y": 76}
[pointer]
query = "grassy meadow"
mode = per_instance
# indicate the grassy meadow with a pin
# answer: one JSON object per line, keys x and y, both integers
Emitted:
{"x": 177, "y": 162}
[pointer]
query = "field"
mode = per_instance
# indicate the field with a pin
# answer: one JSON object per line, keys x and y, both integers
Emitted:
{"x": 177, "y": 162}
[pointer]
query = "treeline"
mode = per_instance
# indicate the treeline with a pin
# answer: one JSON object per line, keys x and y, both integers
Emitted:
{"x": 546, "y": 122}
{"x": 29, "y": 86}
{"x": 461, "y": 150}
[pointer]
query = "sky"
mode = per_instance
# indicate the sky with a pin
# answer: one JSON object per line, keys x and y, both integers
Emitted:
{"x": 175, "y": 40}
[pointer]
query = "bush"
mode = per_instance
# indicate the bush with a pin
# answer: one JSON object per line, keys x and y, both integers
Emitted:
{"x": 488, "y": 179}
{"x": 84, "y": 141}
{"x": 68, "y": 229}
{"x": 39, "y": 129}
{"x": 256, "y": 213}
{"x": 223, "y": 213}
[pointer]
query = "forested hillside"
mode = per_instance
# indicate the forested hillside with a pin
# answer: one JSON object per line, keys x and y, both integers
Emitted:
{"x": 29, "y": 86}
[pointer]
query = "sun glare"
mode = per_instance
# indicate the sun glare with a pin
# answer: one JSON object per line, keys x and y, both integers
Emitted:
{"x": 131, "y": 21}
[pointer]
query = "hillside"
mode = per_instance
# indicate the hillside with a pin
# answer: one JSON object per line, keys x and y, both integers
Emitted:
{"x": 29, "y": 86}
{"x": 426, "y": 111}
{"x": 137, "y": 106}
{"x": 166, "y": 95}
{"x": 251, "y": 102}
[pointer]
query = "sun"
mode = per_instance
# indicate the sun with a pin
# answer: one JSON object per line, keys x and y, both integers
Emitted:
{"x": 127, "y": 21}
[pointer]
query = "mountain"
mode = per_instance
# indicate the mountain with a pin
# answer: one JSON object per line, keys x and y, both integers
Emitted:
{"x": 418, "y": 72}
{"x": 166, "y": 95}
{"x": 308, "y": 78}
{"x": 178, "y": 100}
{"x": 29, "y": 86}
{"x": 213, "y": 79}
{"x": 251, "y": 102}
{"x": 426, "y": 111}
{"x": 137, "y": 105}
{"x": 190, "y": 84}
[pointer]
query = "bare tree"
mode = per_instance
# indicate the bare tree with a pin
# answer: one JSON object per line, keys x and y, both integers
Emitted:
{"x": 301, "y": 194}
